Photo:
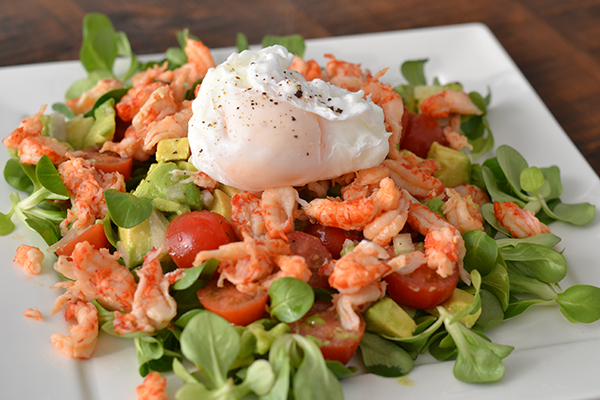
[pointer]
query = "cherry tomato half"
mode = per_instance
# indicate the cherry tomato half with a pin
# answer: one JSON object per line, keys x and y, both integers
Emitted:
{"x": 315, "y": 254}
{"x": 323, "y": 322}
{"x": 108, "y": 163}
{"x": 192, "y": 232}
{"x": 236, "y": 307}
{"x": 94, "y": 235}
{"x": 333, "y": 238}
{"x": 421, "y": 131}
{"x": 422, "y": 289}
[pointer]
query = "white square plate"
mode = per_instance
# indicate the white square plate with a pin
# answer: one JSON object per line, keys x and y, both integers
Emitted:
{"x": 553, "y": 359}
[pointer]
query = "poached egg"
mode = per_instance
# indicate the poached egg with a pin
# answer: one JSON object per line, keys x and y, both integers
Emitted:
{"x": 257, "y": 125}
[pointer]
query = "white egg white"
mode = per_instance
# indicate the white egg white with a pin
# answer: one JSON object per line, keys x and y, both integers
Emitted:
{"x": 257, "y": 125}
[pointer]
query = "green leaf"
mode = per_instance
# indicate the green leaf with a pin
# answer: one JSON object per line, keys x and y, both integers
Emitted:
{"x": 552, "y": 176}
{"x": 124, "y": 49}
{"x": 176, "y": 56}
{"x": 580, "y": 303}
{"x": 414, "y": 72}
{"x": 531, "y": 179}
{"x": 191, "y": 275}
{"x": 517, "y": 307}
{"x": 115, "y": 94}
{"x": 63, "y": 109}
{"x": 512, "y": 164}
{"x": 291, "y": 298}
{"x": 241, "y": 42}
{"x": 212, "y": 343}
{"x": 48, "y": 230}
{"x": 127, "y": 210}
{"x": 479, "y": 101}
{"x": 495, "y": 190}
{"x": 576, "y": 214}
{"x": 340, "y": 370}
{"x": 384, "y": 358}
{"x": 16, "y": 177}
{"x": 544, "y": 239}
{"x": 49, "y": 178}
{"x": 492, "y": 313}
{"x": 99, "y": 48}
{"x": 294, "y": 43}
{"x": 497, "y": 282}
{"x": 478, "y": 365}
{"x": 6, "y": 224}
{"x": 482, "y": 252}
{"x": 537, "y": 261}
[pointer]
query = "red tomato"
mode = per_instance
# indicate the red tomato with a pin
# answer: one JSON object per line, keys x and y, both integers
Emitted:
{"x": 332, "y": 238}
{"x": 107, "y": 163}
{"x": 94, "y": 235}
{"x": 315, "y": 254}
{"x": 421, "y": 131}
{"x": 323, "y": 322}
{"x": 422, "y": 289}
{"x": 236, "y": 307}
{"x": 192, "y": 232}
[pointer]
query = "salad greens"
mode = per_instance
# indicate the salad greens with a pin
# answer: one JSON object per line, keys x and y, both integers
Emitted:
{"x": 265, "y": 360}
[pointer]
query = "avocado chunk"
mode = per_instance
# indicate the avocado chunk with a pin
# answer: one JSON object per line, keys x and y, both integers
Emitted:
{"x": 388, "y": 318}
{"x": 221, "y": 204}
{"x": 455, "y": 166}
{"x": 229, "y": 190}
{"x": 169, "y": 191}
{"x": 459, "y": 300}
{"x": 173, "y": 149}
{"x": 104, "y": 126}
{"x": 77, "y": 128}
{"x": 136, "y": 242}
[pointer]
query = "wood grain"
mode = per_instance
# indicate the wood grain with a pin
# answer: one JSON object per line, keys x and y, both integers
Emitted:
{"x": 554, "y": 42}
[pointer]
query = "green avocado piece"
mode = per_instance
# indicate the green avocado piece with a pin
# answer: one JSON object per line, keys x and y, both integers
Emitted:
{"x": 168, "y": 191}
{"x": 77, "y": 129}
{"x": 455, "y": 166}
{"x": 173, "y": 149}
{"x": 459, "y": 300}
{"x": 388, "y": 318}
{"x": 229, "y": 190}
{"x": 104, "y": 125}
{"x": 221, "y": 204}
{"x": 136, "y": 242}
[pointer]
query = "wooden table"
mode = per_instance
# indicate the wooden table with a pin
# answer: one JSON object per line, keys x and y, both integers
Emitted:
{"x": 556, "y": 43}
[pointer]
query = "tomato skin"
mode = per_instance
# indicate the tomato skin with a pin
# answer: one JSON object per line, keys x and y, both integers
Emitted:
{"x": 236, "y": 307}
{"x": 94, "y": 235}
{"x": 192, "y": 232}
{"x": 315, "y": 254}
{"x": 421, "y": 289}
{"x": 332, "y": 238}
{"x": 421, "y": 131}
{"x": 323, "y": 322}
{"x": 108, "y": 163}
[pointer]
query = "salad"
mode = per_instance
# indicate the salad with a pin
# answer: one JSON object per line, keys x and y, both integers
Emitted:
{"x": 261, "y": 356}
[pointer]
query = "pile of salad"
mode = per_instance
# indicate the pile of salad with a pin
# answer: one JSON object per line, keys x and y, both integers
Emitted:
{"x": 254, "y": 226}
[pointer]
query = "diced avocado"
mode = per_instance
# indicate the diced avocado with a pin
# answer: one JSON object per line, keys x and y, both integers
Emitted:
{"x": 221, "y": 204}
{"x": 455, "y": 166}
{"x": 229, "y": 190}
{"x": 459, "y": 300}
{"x": 186, "y": 166}
{"x": 136, "y": 242}
{"x": 53, "y": 125}
{"x": 77, "y": 129}
{"x": 104, "y": 125}
{"x": 388, "y": 318}
{"x": 169, "y": 191}
{"x": 423, "y": 92}
{"x": 173, "y": 149}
